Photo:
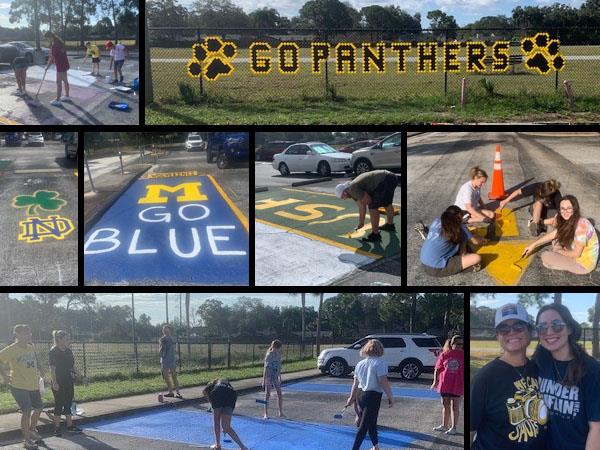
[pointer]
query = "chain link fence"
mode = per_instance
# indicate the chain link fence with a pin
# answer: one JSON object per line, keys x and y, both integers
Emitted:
{"x": 423, "y": 74}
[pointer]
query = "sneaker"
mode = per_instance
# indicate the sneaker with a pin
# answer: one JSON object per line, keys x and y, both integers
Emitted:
{"x": 451, "y": 432}
{"x": 30, "y": 445}
{"x": 178, "y": 395}
{"x": 18, "y": 93}
{"x": 35, "y": 436}
{"x": 534, "y": 229}
{"x": 73, "y": 429}
{"x": 56, "y": 103}
{"x": 57, "y": 432}
{"x": 476, "y": 267}
{"x": 91, "y": 73}
{"x": 66, "y": 98}
{"x": 440, "y": 428}
{"x": 388, "y": 227}
{"x": 372, "y": 238}
{"x": 422, "y": 230}
{"x": 169, "y": 395}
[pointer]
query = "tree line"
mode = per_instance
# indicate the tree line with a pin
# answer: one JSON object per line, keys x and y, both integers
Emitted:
{"x": 345, "y": 316}
{"x": 70, "y": 19}
{"x": 580, "y": 24}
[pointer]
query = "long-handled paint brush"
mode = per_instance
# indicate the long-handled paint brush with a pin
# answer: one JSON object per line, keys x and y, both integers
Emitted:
{"x": 36, "y": 102}
{"x": 340, "y": 415}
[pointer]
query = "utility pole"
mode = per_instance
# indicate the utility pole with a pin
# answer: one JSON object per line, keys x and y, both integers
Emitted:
{"x": 167, "y": 306}
{"x": 135, "y": 349}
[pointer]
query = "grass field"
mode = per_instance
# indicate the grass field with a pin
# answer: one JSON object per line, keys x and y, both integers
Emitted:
{"x": 372, "y": 98}
{"x": 122, "y": 386}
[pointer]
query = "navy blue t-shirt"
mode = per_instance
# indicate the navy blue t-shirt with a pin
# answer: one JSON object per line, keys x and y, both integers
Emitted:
{"x": 437, "y": 250}
{"x": 507, "y": 410}
{"x": 571, "y": 407}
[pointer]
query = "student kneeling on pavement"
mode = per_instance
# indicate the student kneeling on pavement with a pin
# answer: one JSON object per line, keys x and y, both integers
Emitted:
{"x": 372, "y": 190}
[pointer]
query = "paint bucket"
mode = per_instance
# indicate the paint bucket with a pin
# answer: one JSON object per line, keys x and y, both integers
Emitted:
{"x": 107, "y": 79}
{"x": 119, "y": 106}
{"x": 135, "y": 85}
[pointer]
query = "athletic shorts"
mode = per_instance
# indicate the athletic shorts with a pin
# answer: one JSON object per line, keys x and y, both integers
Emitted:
{"x": 453, "y": 267}
{"x": 223, "y": 398}
{"x": 547, "y": 213}
{"x": 119, "y": 64}
{"x": 449, "y": 395}
{"x": 225, "y": 410}
{"x": 27, "y": 400}
{"x": 63, "y": 399}
{"x": 383, "y": 195}
{"x": 96, "y": 60}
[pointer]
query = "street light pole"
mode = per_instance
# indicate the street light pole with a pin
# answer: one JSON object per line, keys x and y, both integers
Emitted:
{"x": 167, "y": 306}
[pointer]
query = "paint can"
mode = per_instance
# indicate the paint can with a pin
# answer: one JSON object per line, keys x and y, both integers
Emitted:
{"x": 160, "y": 398}
{"x": 107, "y": 79}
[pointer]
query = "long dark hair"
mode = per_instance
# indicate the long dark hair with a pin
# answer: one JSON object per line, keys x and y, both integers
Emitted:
{"x": 451, "y": 224}
{"x": 576, "y": 369}
{"x": 565, "y": 229}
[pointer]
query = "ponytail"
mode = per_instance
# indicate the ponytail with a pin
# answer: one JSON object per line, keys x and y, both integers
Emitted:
{"x": 477, "y": 172}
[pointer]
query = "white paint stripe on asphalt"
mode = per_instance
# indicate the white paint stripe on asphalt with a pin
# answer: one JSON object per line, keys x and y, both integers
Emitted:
{"x": 76, "y": 77}
{"x": 287, "y": 259}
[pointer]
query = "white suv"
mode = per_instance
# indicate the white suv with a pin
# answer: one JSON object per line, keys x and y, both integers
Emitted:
{"x": 408, "y": 354}
{"x": 195, "y": 141}
{"x": 386, "y": 154}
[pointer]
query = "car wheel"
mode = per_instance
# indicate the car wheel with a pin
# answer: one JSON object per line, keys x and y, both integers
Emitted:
{"x": 362, "y": 166}
{"x": 324, "y": 169}
{"x": 337, "y": 367}
{"x": 222, "y": 161}
{"x": 284, "y": 170}
{"x": 410, "y": 369}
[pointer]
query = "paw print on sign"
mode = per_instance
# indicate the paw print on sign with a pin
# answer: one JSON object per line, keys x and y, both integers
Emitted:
{"x": 212, "y": 58}
{"x": 542, "y": 54}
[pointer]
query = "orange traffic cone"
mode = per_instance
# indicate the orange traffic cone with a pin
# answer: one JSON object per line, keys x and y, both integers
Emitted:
{"x": 497, "y": 191}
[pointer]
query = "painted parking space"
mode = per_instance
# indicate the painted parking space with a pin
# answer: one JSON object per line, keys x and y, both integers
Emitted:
{"x": 322, "y": 217}
{"x": 345, "y": 389}
{"x": 173, "y": 229}
{"x": 195, "y": 428}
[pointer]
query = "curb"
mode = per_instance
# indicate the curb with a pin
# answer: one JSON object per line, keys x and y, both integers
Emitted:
{"x": 316, "y": 180}
{"x": 15, "y": 434}
{"x": 89, "y": 223}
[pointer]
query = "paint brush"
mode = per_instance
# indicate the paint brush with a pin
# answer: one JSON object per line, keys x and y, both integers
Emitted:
{"x": 340, "y": 415}
{"x": 226, "y": 439}
{"x": 523, "y": 256}
{"x": 260, "y": 400}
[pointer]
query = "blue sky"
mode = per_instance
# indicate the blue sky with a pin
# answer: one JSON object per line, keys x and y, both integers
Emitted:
{"x": 4, "y": 15}
{"x": 464, "y": 11}
{"x": 578, "y": 304}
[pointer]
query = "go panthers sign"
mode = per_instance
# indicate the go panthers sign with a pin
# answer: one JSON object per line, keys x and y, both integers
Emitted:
{"x": 214, "y": 58}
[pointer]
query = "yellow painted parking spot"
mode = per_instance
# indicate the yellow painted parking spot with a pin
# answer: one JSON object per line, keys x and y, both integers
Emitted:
{"x": 499, "y": 258}
{"x": 7, "y": 121}
{"x": 506, "y": 225}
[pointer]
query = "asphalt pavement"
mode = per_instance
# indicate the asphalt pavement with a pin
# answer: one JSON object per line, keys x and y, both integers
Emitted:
{"x": 171, "y": 220}
{"x": 38, "y": 216}
{"x": 90, "y": 96}
{"x": 326, "y": 251}
{"x": 438, "y": 164}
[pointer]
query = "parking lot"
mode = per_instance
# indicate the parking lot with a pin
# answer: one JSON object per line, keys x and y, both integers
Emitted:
{"x": 90, "y": 95}
{"x": 310, "y": 407}
{"x": 184, "y": 221}
{"x": 309, "y": 229}
{"x": 38, "y": 216}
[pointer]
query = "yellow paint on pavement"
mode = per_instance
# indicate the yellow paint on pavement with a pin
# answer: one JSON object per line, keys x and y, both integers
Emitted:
{"x": 505, "y": 225}
{"x": 188, "y": 173}
{"x": 7, "y": 121}
{"x": 76, "y": 173}
{"x": 499, "y": 258}
{"x": 239, "y": 214}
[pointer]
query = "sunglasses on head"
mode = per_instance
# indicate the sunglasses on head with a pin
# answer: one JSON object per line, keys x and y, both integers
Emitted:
{"x": 458, "y": 344}
{"x": 517, "y": 327}
{"x": 557, "y": 326}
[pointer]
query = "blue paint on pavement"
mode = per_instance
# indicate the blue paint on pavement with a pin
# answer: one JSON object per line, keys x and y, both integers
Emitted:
{"x": 345, "y": 389}
{"x": 186, "y": 233}
{"x": 191, "y": 427}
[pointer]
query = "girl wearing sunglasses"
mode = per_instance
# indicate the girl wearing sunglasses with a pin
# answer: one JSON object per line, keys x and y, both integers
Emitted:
{"x": 507, "y": 410}
{"x": 574, "y": 241}
{"x": 569, "y": 381}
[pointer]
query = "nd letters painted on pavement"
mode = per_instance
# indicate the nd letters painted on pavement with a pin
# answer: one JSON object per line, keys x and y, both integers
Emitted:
{"x": 323, "y": 217}
{"x": 173, "y": 230}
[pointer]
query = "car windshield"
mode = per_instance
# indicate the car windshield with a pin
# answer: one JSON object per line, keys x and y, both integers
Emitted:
{"x": 392, "y": 141}
{"x": 322, "y": 149}
{"x": 194, "y": 138}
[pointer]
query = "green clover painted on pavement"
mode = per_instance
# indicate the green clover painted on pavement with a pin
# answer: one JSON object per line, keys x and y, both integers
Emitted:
{"x": 46, "y": 200}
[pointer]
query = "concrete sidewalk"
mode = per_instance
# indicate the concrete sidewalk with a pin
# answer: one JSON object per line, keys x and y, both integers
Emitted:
{"x": 121, "y": 406}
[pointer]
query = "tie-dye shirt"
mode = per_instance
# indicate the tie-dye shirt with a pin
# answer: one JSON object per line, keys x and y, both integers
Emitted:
{"x": 585, "y": 234}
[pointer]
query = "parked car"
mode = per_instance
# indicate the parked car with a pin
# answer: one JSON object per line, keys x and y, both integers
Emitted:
{"x": 269, "y": 149}
{"x": 195, "y": 142}
{"x": 410, "y": 355}
{"x": 35, "y": 139}
{"x": 226, "y": 148}
{"x": 311, "y": 157}
{"x": 71, "y": 143}
{"x": 13, "y": 139}
{"x": 386, "y": 154}
{"x": 356, "y": 145}
{"x": 8, "y": 53}
{"x": 27, "y": 50}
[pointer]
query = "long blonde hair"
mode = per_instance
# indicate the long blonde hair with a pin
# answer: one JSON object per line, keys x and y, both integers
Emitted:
{"x": 372, "y": 348}
{"x": 477, "y": 172}
{"x": 57, "y": 335}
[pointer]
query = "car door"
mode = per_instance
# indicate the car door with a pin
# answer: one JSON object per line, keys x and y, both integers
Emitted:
{"x": 395, "y": 350}
{"x": 389, "y": 156}
{"x": 292, "y": 158}
{"x": 305, "y": 160}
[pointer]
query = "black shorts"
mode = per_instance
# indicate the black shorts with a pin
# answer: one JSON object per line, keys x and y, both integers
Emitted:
{"x": 63, "y": 398}
{"x": 453, "y": 266}
{"x": 223, "y": 397}
{"x": 96, "y": 60}
{"x": 383, "y": 195}
{"x": 547, "y": 213}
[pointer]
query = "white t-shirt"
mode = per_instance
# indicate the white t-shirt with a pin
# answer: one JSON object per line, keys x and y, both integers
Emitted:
{"x": 368, "y": 371}
{"x": 118, "y": 52}
{"x": 468, "y": 194}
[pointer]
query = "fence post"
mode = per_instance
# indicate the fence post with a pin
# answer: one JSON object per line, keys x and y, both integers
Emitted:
{"x": 148, "y": 75}
{"x": 445, "y": 73}
{"x": 253, "y": 347}
{"x": 556, "y": 71}
{"x": 201, "y": 76}
{"x": 326, "y": 71}
{"x": 209, "y": 355}
{"x": 179, "y": 353}
{"x": 228, "y": 354}
{"x": 84, "y": 362}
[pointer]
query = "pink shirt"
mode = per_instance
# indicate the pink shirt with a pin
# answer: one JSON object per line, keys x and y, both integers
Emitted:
{"x": 451, "y": 372}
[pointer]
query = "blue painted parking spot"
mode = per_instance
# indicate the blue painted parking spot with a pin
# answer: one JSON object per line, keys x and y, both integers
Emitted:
{"x": 171, "y": 230}
{"x": 345, "y": 389}
{"x": 196, "y": 428}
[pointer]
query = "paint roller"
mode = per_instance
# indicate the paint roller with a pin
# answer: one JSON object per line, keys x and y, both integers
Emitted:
{"x": 261, "y": 401}
{"x": 340, "y": 415}
{"x": 225, "y": 438}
